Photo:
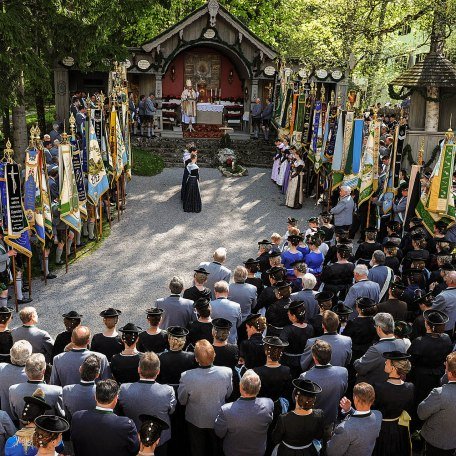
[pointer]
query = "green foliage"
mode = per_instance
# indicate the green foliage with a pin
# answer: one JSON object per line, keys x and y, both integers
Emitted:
{"x": 145, "y": 163}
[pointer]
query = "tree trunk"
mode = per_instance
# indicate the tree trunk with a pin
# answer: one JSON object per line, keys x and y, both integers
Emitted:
{"x": 6, "y": 127}
{"x": 431, "y": 122}
{"x": 20, "y": 125}
{"x": 41, "y": 113}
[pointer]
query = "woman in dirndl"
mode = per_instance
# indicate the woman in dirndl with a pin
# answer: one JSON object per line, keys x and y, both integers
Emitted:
{"x": 294, "y": 193}
{"x": 394, "y": 399}
{"x": 192, "y": 201}
{"x": 297, "y": 433}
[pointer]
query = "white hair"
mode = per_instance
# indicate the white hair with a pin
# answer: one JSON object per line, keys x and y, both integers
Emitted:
{"x": 251, "y": 382}
{"x": 450, "y": 277}
{"x": 361, "y": 269}
{"x": 221, "y": 287}
{"x": 20, "y": 352}
{"x": 308, "y": 281}
{"x": 35, "y": 366}
{"x": 346, "y": 188}
{"x": 220, "y": 255}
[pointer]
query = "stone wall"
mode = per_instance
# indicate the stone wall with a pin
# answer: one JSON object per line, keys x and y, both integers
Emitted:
{"x": 251, "y": 153}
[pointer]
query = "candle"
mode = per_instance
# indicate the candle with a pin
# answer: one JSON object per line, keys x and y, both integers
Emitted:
{"x": 220, "y": 93}
{"x": 211, "y": 93}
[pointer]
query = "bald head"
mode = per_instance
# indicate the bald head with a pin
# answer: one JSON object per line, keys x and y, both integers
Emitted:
{"x": 80, "y": 337}
{"x": 450, "y": 278}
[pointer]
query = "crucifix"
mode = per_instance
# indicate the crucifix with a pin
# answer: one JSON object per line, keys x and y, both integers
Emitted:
{"x": 269, "y": 89}
{"x": 12, "y": 174}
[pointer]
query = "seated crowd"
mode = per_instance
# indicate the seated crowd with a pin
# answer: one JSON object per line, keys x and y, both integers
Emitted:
{"x": 310, "y": 347}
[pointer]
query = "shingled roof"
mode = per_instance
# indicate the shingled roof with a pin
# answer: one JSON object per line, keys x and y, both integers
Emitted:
{"x": 433, "y": 70}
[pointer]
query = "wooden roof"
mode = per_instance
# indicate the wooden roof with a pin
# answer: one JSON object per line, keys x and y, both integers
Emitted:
{"x": 433, "y": 70}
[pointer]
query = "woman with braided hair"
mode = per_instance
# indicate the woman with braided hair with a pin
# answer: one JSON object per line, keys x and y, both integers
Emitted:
{"x": 22, "y": 443}
{"x": 124, "y": 366}
{"x": 296, "y": 335}
{"x": 6, "y": 338}
{"x": 295, "y": 431}
{"x": 48, "y": 434}
{"x": 251, "y": 351}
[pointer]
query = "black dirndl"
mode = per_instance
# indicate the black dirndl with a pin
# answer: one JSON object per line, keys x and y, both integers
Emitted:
{"x": 192, "y": 202}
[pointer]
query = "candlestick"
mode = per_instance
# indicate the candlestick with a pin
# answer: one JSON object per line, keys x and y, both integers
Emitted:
{"x": 220, "y": 93}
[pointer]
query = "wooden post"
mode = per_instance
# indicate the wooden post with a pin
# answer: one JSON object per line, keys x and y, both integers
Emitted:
{"x": 14, "y": 283}
{"x": 368, "y": 213}
{"x": 44, "y": 265}
{"x": 118, "y": 200}
{"x": 66, "y": 250}
{"x": 100, "y": 218}
{"x": 29, "y": 271}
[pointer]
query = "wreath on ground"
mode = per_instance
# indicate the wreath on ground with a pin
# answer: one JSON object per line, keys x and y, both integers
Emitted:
{"x": 408, "y": 153}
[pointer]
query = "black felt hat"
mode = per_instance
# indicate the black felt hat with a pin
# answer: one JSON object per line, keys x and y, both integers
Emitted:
{"x": 221, "y": 323}
{"x": 447, "y": 267}
{"x": 251, "y": 261}
{"x": 425, "y": 298}
{"x": 341, "y": 309}
{"x": 416, "y": 221}
{"x": 292, "y": 220}
{"x": 295, "y": 238}
{"x": 312, "y": 220}
{"x": 340, "y": 231}
{"x": 371, "y": 229}
{"x": 275, "y": 341}
{"x": 157, "y": 423}
{"x": 418, "y": 236}
{"x": 72, "y": 315}
{"x": 201, "y": 303}
{"x": 130, "y": 328}
{"x": 201, "y": 271}
{"x": 365, "y": 303}
{"x": 294, "y": 305}
{"x": 265, "y": 242}
{"x": 306, "y": 387}
{"x": 251, "y": 317}
{"x": 154, "y": 311}
{"x": 274, "y": 254}
{"x": 4, "y": 310}
{"x": 402, "y": 328}
{"x": 37, "y": 402}
{"x": 435, "y": 317}
{"x": 324, "y": 296}
{"x": 282, "y": 285}
{"x": 398, "y": 285}
{"x": 111, "y": 312}
{"x": 390, "y": 243}
{"x": 177, "y": 331}
{"x": 52, "y": 423}
{"x": 395, "y": 355}
{"x": 441, "y": 240}
{"x": 403, "y": 186}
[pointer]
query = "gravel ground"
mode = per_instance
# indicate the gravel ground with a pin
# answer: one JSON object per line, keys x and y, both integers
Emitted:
{"x": 156, "y": 239}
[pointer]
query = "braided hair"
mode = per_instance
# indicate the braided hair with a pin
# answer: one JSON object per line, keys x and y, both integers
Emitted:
{"x": 303, "y": 401}
{"x": 129, "y": 338}
{"x": 41, "y": 438}
{"x": 258, "y": 323}
{"x": 299, "y": 313}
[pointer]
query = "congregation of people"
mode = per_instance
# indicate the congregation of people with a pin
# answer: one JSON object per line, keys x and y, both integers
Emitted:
{"x": 313, "y": 345}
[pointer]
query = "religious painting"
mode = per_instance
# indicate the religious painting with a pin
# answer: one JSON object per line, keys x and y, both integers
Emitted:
{"x": 204, "y": 71}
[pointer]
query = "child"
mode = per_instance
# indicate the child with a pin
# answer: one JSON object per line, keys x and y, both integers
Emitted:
{"x": 313, "y": 226}
{"x": 276, "y": 240}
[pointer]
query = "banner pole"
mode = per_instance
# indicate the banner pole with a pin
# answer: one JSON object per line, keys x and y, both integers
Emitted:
{"x": 66, "y": 250}
{"x": 118, "y": 200}
{"x": 14, "y": 284}
{"x": 100, "y": 219}
{"x": 44, "y": 265}
{"x": 29, "y": 271}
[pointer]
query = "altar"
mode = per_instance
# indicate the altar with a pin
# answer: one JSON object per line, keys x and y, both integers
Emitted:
{"x": 209, "y": 113}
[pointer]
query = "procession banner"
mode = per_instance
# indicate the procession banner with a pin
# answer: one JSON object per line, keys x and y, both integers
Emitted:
{"x": 401, "y": 134}
{"x": 286, "y": 108}
{"x": 338, "y": 152}
{"x": 294, "y": 107}
{"x": 69, "y": 198}
{"x": 370, "y": 157}
{"x": 121, "y": 150}
{"x": 440, "y": 187}
{"x": 338, "y": 176}
{"x": 389, "y": 191}
{"x": 296, "y": 137}
{"x": 353, "y": 159}
{"x": 330, "y": 140}
{"x": 414, "y": 193}
{"x": 320, "y": 138}
{"x": 16, "y": 233}
{"x": 79, "y": 178}
{"x": 46, "y": 204}
{"x": 307, "y": 119}
{"x": 280, "y": 98}
{"x": 314, "y": 137}
{"x": 31, "y": 184}
{"x": 97, "y": 178}
{"x": 97, "y": 122}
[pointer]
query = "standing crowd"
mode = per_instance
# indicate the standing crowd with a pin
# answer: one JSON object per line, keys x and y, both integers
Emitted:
{"x": 310, "y": 346}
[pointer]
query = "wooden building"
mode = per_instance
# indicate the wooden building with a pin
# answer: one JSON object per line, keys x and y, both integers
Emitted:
{"x": 225, "y": 61}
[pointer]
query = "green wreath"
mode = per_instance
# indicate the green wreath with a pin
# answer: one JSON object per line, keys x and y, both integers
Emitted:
{"x": 407, "y": 152}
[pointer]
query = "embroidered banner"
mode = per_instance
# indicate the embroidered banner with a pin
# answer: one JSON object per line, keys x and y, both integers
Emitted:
{"x": 97, "y": 179}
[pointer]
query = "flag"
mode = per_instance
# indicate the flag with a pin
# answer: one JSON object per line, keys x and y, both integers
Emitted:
{"x": 338, "y": 175}
{"x": 79, "y": 178}
{"x": 97, "y": 179}
{"x": 437, "y": 203}
{"x": 315, "y": 130}
{"x": 414, "y": 192}
{"x": 338, "y": 152}
{"x": 296, "y": 137}
{"x": 116, "y": 144}
{"x": 30, "y": 185}
{"x": 45, "y": 198}
{"x": 331, "y": 128}
{"x": 68, "y": 198}
{"x": 16, "y": 231}
{"x": 370, "y": 157}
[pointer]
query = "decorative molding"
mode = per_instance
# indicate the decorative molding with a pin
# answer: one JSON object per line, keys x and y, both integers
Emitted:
{"x": 213, "y": 8}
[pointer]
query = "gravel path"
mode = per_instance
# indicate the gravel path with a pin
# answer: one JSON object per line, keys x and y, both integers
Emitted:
{"x": 155, "y": 240}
